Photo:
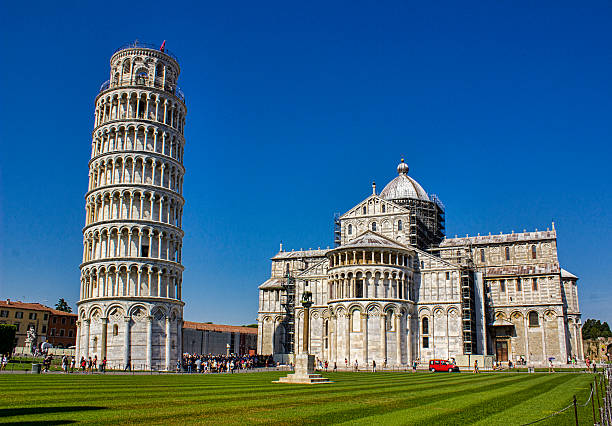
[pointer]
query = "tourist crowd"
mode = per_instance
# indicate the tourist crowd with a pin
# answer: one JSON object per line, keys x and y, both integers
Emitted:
{"x": 197, "y": 363}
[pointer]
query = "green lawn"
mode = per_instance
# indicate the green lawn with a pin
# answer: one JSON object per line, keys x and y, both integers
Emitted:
{"x": 365, "y": 398}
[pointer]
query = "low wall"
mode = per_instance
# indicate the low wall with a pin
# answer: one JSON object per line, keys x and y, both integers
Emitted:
{"x": 21, "y": 350}
{"x": 467, "y": 361}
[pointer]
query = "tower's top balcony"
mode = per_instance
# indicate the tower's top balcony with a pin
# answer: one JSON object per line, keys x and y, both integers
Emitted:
{"x": 140, "y": 45}
{"x": 145, "y": 65}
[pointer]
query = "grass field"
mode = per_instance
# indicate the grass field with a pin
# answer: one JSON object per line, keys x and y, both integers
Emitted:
{"x": 356, "y": 398}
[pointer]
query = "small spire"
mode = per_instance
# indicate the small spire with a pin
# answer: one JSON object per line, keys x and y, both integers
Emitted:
{"x": 373, "y": 187}
{"x": 281, "y": 247}
{"x": 553, "y": 225}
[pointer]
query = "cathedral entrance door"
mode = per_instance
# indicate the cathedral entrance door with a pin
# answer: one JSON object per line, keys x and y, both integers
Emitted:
{"x": 501, "y": 350}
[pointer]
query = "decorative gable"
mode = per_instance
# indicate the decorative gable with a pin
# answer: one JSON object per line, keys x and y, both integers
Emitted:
{"x": 372, "y": 206}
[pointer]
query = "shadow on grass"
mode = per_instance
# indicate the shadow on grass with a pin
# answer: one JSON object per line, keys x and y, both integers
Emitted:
{"x": 27, "y": 411}
{"x": 41, "y": 422}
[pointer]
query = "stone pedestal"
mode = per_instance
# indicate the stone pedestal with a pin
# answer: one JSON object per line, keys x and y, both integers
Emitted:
{"x": 304, "y": 372}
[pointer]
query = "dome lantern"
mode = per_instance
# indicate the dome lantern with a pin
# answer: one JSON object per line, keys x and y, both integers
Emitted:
{"x": 402, "y": 168}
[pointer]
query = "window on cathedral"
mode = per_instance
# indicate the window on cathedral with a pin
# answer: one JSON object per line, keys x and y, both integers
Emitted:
{"x": 502, "y": 286}
{"x": 373, "y": 226}
{"x": 384, "y": 208}
{"x": 425, "y": 342}
{"x": 519, "y": 286}
{"x": 507, "y": 253}
{"x": 400, "y": 226}
{"x": 534, "y": 284}
{"x": 448, "y": 275}
{"x": 115, "y": 330}
{"x": 425, "y": 326}
{"x": 359, "y": 288}
{"x": 534, "y": 253}
{"x": 534, "y": 320}
{"x": 482, "y": 255}
{"x": 144, "y": 251}
{"x": 350, "y": 229}
{"x": 364, "y": 210}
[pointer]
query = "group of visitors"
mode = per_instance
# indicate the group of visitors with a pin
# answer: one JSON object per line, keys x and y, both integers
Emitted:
{"x": 200, "y": 363}
{"x": 325, "y": 365}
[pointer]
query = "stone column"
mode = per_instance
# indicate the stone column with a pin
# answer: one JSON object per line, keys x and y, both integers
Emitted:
{"x": 383, "y": 337}
{"x": 168, "y": 342}
{"x": 562, "y": 338}
{"x": 348, "y": 337}
{"x": 408, "y": 339}
{"x": 179, "y": 338}
{"x": 364, "y": 334}
{"x": 126, "y": 341}
{"x": 306, "y": 330}
{"x": 260, "y": 336}
{"x": 104, "y": 336}
{"x": 149, "y": 358}
{"x": 398, "y": 338}
{"x": 87, "y": 325}
{"x": 527, "y": 357}
{"x": 579, "y": 337}
{"x": 544, "y": 350}
{"x": 336, "y": 332}
{"x": 77, "y": 352}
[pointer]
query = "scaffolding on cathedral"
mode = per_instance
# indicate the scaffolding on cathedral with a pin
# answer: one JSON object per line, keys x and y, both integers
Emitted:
{"x": 288, "y": 306}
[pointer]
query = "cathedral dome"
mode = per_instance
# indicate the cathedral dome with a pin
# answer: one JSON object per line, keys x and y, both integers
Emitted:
{"x": 403, "y": 186}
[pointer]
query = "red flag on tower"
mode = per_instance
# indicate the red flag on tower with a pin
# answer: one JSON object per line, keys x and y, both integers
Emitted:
{"x": 163, "y": 46}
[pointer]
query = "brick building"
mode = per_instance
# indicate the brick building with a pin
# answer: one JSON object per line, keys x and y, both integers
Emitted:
{"x": 61, "y": 329}
{"x": 51, "y": 325}
{"x": 213, "y": 339}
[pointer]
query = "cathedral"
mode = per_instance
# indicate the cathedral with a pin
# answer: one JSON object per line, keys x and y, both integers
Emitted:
{"x": 394, "y": 290}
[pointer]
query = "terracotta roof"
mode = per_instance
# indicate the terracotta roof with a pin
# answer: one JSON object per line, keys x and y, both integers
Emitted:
{"x": 33, "y": 307}
{"x": 62, "y": 313}
{"x": 219, "y": 327}
{"x": 21, "y": 305}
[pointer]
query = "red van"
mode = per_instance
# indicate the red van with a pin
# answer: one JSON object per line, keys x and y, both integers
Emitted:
{"x": 442, "y": 365}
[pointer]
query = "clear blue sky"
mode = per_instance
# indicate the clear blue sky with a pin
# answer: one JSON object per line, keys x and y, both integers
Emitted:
{"x": 501, "y": 108}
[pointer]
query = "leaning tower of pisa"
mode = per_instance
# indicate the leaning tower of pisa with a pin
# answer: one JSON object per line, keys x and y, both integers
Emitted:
{"x": 130, "y": 307}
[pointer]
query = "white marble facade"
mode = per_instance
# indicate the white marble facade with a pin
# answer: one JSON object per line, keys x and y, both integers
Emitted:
{"x": 130, "y": 307}
{"x": 379, "y": 298}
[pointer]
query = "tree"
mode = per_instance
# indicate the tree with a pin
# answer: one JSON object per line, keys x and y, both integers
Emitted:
{"x": 593, "y": 329}
{"x": 62, "y": 305}
{"x": 7, "y": 338}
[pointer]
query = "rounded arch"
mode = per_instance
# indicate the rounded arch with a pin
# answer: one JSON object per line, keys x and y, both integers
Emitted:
{"x": 533, "y": 319}
{"x": 516, "y": 314}
{"x": 94, "y": 310}
{"x": 115, "y": 310}
{"x": 391, "y": 307}
{"x": 135, "y": 309}
{"x": 499, "y": 315}
{"x": 158, "y": 312}
{"x": 340, "y": 310}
